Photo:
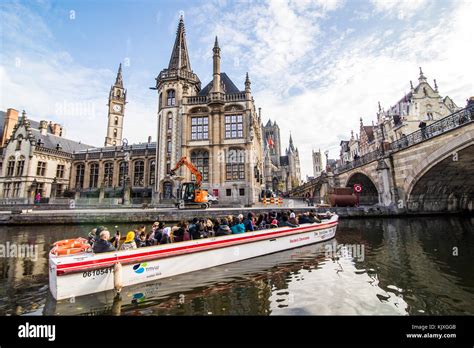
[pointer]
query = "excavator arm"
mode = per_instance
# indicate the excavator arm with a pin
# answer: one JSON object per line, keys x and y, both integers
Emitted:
{"x": 191, "y": 167}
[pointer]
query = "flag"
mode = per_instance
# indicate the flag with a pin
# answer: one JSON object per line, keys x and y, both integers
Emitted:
{"x": 270, "y": 142}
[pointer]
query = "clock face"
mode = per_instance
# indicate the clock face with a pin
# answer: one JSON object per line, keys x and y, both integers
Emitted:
{"x": 117, "y": 108}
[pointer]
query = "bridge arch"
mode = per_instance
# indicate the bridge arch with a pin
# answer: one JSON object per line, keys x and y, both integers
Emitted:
{"x": 370, "y": 193}
{"x": 444, "y": 181}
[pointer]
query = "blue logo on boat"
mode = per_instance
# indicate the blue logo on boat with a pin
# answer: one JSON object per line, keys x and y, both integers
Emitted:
{"x": 140, "y": 267}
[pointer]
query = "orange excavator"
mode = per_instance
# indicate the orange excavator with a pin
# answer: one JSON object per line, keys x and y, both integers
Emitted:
{"x": 190, "y": 193}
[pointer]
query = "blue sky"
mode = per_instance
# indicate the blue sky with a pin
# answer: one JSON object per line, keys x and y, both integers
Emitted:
{"x": 316, "y": 66}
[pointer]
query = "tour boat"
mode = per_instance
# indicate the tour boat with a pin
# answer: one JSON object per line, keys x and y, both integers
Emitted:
{"x": 86, "y": 273}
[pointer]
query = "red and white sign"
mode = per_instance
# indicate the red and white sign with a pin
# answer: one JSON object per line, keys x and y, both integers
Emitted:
{"x": 358, "y": 188}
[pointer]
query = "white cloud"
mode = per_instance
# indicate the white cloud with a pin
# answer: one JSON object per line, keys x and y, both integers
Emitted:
{"x": 342, "y": 77}
{"x": 401, "y": 9}
{"x": 46, "y": 82}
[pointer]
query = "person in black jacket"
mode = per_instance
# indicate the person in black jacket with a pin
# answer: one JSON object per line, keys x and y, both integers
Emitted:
{"x": 103, "y": 245}
{"x": 285, "y": 222}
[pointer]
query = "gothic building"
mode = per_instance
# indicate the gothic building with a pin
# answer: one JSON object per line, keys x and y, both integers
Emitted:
{"x": 423, "y": 104}
{"x": 35, "y": 158}
{"x": 317, "y": 163}
{"x": 282, "y": 172}
{"x": 216, "y": 127}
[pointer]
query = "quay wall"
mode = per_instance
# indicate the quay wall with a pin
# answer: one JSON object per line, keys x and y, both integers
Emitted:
{"x": 101, "y": 216}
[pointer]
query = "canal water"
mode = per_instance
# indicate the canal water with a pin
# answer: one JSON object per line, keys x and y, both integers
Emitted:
{"x": 399, "y": 266}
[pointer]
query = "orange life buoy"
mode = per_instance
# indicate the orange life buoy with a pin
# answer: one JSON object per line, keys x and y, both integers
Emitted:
{"x": 70, "y": 246}
{"x": 77, "y": 241}
{"x": 70, "y": 251}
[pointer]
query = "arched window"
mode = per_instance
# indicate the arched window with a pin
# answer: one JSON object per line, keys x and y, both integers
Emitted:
{"x": 160, "y": 101}
{"x": 117, "y": 92}
{"x": 169, "y": 121}
{"x": 11, "y": 166}
{"x": 171, "y": 97}
{"x": 80, "y": 175}
{"x": 123, "y": 172}
{"x": 151, "y": 174}
{"x": 94, "y": 175}
{"x": 235, "y": 164}
{"x": 116, "y": 121}
{"x": 139, "y": 173}
{"x": 115, "y": 133}
{"x": 200, "y": 159}
{"x": 108, "y": 174}
{"x": 20, "y": 166}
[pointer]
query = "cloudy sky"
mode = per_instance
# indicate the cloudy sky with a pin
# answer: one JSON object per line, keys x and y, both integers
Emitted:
{"x": 316, "y": 66}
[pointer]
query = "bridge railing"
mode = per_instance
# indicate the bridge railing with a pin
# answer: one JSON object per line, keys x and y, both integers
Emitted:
{"x": 448, "y": 123}
{"x": 368, "y": 157}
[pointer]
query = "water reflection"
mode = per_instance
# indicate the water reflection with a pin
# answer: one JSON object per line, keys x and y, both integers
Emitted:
{"x": 408, "y": 267}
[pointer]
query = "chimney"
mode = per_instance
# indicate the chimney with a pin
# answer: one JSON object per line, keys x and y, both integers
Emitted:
{"x": 11, "y": 119}
{"x": 43, "y": 127}
{"x": 149, "y": 139}
{"x": 56, "y": 129}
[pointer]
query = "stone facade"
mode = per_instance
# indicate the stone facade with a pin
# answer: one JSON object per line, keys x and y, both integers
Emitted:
{"x": 36, "y": 159}
{"x": 422, "y": 105}
{"x": 216, "y": 127}
{"x": 282, "y": 172}
{"x": 317, "y": 163}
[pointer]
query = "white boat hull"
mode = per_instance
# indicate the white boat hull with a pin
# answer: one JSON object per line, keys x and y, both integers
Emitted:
{"x": 78, "y": 275}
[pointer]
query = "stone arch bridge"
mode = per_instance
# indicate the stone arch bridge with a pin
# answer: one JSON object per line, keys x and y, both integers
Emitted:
{"x": 428, "y": 170}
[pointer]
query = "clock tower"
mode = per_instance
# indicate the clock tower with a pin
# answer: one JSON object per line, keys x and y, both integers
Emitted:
{"x": 116, "y": 106}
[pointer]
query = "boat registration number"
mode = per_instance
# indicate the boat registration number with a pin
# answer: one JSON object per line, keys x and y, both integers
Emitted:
{"x": 97, "y": 272}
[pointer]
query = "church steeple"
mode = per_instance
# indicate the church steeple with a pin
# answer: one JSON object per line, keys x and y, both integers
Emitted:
{"x": 118, "y": 79}
{"x": 179, "y": 57}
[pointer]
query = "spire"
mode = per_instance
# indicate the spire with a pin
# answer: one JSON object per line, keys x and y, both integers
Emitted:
{"x": 421, "y": 78}
{"x": 118, "y": 79}
{"x": 247, "y": 83}
{"x": 435, "y": 85}
{"x": 411, "y": 85}
{"x": 380, "y": 108}
{"x": 216, "y": 67}
{"x": 179, "y": 57}
{"x": 292, "y": 148}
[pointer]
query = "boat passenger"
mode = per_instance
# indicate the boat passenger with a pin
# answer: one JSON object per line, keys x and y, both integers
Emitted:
{"x": 293, "y": 219}
{"x": 223, "y": 229}
{"x": 304, "y": 219}
{"x": 285, "y": 222}
{"x": 141, "y": 240}
{"x": 159, "y": 233}
{"x": 103, "y": 245}
{"x": 274, "y": 223}
{"x": 194, "y": 229}
{"x": 313, "y": 217}
{"x": 249, "y": 223}
{"x": 129, "y": 241}
{"x": 166, "y": 239}
{"x": 237, "y": 226}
